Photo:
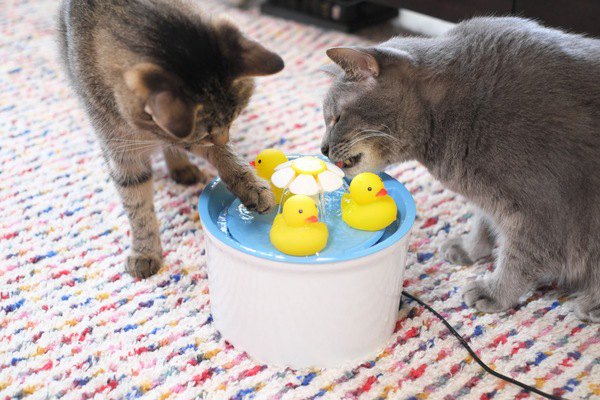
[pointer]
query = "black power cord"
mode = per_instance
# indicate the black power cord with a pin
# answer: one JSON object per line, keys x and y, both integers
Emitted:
{"x": 483, "y": 365}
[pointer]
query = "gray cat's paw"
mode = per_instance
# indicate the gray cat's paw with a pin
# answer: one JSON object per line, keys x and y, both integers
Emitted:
{"x": 453, "y": 251}
{"x": 258, "y": 197}
{"x": 588, "y": 313}
{"x": 188, "y": 175}
{"x": 142, "y": 265}
{"x": 477, "y": 294}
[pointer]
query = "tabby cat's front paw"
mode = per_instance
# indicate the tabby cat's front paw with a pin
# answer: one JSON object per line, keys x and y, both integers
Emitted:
{"x": 143, "y": 265}
{"x": 477, "y": 294}
{"x": 188, "y": 175}
{"x": 258, "y": 197}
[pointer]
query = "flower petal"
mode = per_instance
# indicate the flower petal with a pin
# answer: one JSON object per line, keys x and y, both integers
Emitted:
{"x": 283, "y": 177}
{"x": 335, "y": 169}
{"x": 304, "y": 184}
{"x": 330, "y": 181}
{"x": 284, "y": 165}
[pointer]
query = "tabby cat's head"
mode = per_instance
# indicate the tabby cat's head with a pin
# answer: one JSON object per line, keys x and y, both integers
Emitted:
{"x": 193, "y": 77}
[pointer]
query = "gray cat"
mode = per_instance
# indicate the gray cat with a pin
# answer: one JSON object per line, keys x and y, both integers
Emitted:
{"x": 156, "y": 75}
{"x": 505, "y": 112}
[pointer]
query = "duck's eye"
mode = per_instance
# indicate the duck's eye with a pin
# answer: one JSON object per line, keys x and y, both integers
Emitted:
{"x": 337, "y": 119}
{"x": 259, "y": 161}
{"x": 369, "y": 188}
{"x": 300, "y": 211}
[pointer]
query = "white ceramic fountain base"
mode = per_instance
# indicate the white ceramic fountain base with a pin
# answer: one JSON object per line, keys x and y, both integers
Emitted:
{"x": 303, "y": 315}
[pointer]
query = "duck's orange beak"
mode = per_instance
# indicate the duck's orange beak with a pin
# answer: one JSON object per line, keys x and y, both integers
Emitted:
{"x": 382, "y": 193}
{"x": 312, "y": 219}
{"x": 253, "y": 164}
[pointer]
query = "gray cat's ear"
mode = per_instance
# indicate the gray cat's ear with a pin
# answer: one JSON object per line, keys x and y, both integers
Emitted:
{"x": 158, "y": 89}
{"x": 332, "y": 69}
{"x": 247, "y": 57}
{"x": 407, "y": 67}
{"x": 357, "y": 63}
{"x": 392, "y": 56}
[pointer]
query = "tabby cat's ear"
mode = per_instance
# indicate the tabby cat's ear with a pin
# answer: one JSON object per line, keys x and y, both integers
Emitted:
{"x": 163, "y": 102}
{"x": 357, "y": 63}
{"x": 246, "y": 56}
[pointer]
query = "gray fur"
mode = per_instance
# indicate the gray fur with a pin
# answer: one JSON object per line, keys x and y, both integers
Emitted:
{"x": 154, "y": 75}
{"x": 505, "y": 112}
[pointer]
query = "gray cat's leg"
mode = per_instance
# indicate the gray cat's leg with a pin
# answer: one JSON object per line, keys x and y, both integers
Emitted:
{"x": 587, "y": 306}
{"x": 239, "y": 178}
{"x": 477, "y": 244}
{"x": 513, "y": 276}
{"x": 181, "y": 168}
{"x": 132, "y": 177}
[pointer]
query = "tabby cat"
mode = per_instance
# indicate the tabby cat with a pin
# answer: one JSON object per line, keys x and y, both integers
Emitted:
{"x": 157, "y": 75}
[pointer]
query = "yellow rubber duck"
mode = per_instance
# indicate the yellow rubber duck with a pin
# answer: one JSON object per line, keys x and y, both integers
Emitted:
{"x": 265, "y": 164}
{"x": 368, "y": 207}
{"x": 297, "y": 230}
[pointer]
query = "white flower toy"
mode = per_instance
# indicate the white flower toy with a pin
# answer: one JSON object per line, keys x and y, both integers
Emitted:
{"x": 308, "y": 176}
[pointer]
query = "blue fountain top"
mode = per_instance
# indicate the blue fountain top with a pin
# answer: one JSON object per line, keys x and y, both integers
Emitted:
{"x": 253, "y": 229}
{"x": 216, "y": 199}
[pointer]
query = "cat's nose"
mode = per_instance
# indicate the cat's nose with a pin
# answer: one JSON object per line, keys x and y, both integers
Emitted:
{"x": 325, "y": 150}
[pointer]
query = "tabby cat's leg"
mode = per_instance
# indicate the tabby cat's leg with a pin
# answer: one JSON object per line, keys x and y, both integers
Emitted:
{"x": 477, "y": 244}
{"x": 181, "y": 168}
{"x": 239, "y": 178}
{"x": 132, "y": 176}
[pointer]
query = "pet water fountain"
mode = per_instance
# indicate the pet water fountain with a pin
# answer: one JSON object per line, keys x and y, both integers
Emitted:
{"x": 333, "y": 307}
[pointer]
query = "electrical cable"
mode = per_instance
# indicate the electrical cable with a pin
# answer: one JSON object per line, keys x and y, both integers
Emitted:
{"x": 483, "y": 365}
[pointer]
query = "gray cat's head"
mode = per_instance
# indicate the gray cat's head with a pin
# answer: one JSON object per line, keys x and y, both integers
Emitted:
{"x": 373, "y": 110}
{"x": 193, "y": 76}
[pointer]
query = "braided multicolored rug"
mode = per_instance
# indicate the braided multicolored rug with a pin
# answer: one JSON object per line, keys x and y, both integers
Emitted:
{"x": 73, "y": 325}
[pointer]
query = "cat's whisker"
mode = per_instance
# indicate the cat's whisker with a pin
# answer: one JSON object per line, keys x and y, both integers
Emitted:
{"x": 133, "y": 145}
{"x": 343, "y": 150}
{"x": 116, "y": 140}
{"x": 136, "y": 148}
{"x": 371, "y": 133}
{"x": 387, "y": 128}
{"x": 375, "y": 131}
{"x": 131, "y": 140}
{"x": 365, "y": 137}
{"x": 380, "y": 133}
